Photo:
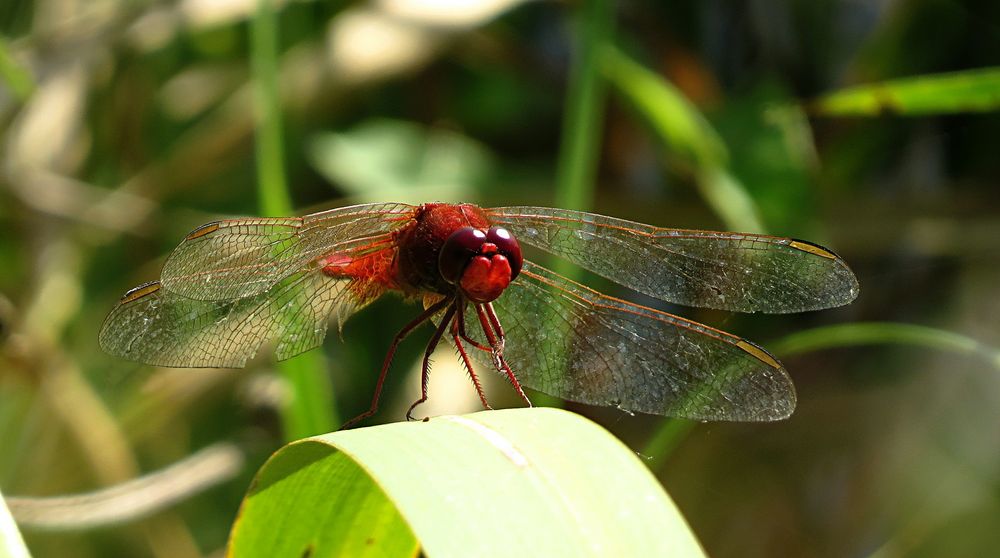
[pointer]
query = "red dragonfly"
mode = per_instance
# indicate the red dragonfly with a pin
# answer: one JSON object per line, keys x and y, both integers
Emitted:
{"x": 233, "y": 285}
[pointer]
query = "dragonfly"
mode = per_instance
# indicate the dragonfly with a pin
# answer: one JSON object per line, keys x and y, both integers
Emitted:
{"x": 234, "y": 286}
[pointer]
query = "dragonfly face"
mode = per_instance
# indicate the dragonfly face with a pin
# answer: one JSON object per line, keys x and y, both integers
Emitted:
{"x": 233, "y": 285}
{"x": 481, "y": 264}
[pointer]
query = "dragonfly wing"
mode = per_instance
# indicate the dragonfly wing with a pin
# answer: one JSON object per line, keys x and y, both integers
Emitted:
{"x": 729, "y": 271}
{"x": 575, "y": 343}
{"x": 239, "y": 258}
{"x": 160, "y": 327}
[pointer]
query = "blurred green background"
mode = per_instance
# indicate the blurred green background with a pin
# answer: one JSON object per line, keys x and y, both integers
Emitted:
{"x": 124, "y": 125}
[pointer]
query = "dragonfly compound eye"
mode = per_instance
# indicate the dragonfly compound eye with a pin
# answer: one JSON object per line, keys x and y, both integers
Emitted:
{"x": 508, "y": 246}
{"x": 457, "y": 251}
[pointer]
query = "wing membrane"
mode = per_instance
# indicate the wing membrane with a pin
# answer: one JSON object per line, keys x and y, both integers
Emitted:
{"x": 160, "y": 327}
{"x": 572, "y": 342}
{"x": 240, "y": 258}
{"x": 729, "y": 271}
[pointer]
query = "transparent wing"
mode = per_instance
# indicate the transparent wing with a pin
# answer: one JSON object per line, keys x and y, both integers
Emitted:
{"x": 575, "y": 343}
{"x": 239, "y": 258}
{"x": 729, "y": 271}
{"x": 156, "y": 326}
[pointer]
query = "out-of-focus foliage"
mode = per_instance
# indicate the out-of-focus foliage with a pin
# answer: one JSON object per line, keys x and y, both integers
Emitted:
{"x": 683, "y": 129}
{"x": 123, "y": 125}
{"x": 401, "y": 161}
{"x": 690, "y": 141}
{"x": 958, "y": 92}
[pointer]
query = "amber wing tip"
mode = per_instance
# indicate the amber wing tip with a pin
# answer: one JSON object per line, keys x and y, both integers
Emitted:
{"x": 141, "y": 291}
{"x": 207, "y": 228}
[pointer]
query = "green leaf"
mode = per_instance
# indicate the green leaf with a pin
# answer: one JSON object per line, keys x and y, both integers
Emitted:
{"x": 967, "y": 91}
{"x": 11, "y": 543}
{"x": 541, "y": 482}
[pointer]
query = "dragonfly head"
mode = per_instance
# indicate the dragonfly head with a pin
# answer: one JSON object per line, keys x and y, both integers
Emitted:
{"x": 481, "y": 263}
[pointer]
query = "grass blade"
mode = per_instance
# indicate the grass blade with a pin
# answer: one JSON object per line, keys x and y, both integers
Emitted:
{"x": 686, "y": 134}
{"x": 584, "y": 115}
{"x": 689, "y": 140}
{"x": 882, "y": 333}
{"x": 583, "y": 124}
{"x": 11, "y": 542}
{"x": 956, "y": 92}
{"x": 671, "y": 432}
{"x": 541, "y": 482}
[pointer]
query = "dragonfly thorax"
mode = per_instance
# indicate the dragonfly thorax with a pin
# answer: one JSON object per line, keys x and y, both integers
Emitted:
{"x": 433, "y": 255}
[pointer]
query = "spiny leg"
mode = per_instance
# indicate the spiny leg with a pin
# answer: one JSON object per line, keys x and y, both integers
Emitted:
{"x": 425, "y": 371}
{"x": 494, "y": 340}
{"x": 460, "y": 319}
{"x": 495, "y": 322}
{"x": 491, "y": 337}
{"x": 455, "y": 336}
{"x": 407, "y": 329}
{"x": 505, "y": 368}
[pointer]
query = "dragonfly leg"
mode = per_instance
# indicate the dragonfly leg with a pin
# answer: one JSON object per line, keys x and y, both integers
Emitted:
{"x": 460, "y": 319}
{"x": 494, "y": 334}
{"x": 407, "y": 329}
{"x": 456, "y": 337}
{"x": 495, "y": 322}
{"x": 491, "y": 337}
{"x": 513, "y": 381}
{"x": 425, "y": 370}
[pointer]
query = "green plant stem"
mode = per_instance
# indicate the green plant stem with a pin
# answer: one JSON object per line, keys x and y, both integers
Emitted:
{"x": 671, "y": 432}
{"x": 583, "y": 119}
{"x": 272, "y": 188}
{"x": 883, "y": 333}
{"x": 309, "y": 408}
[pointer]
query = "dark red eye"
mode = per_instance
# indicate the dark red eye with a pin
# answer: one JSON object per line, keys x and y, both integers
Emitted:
{"x": 507, "y": 245}
{"x": 457, "y": 251}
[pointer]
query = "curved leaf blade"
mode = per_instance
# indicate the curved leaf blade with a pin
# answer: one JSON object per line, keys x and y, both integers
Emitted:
{"x": 307, "y": 501}
{"x": 500, "y": 483}
{"x": 11, "y": 542}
